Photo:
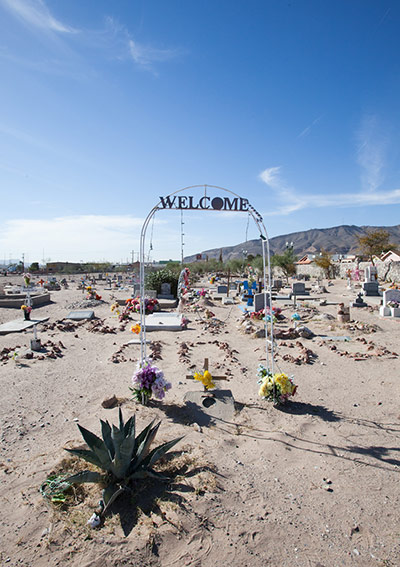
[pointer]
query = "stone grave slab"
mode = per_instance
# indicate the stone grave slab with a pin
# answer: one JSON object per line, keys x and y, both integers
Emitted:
{"x": 371, "y": 288}
{"x": 80, "y": 315}
{"x": 204, "y": 407}
{"x": 222, "y": 289}
{"x": 260, "y": 301}
{"x": 19, "y": 325}
{"x": 165, "y": 292}
{"x": 164, "y": 322}
{"x": 228, "y": 301}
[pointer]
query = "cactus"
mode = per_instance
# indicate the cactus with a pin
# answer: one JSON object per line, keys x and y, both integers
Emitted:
{"x": 122, "y": 457}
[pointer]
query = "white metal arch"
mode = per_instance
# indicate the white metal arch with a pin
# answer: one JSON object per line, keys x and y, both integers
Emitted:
{"x": 269, "y": 337}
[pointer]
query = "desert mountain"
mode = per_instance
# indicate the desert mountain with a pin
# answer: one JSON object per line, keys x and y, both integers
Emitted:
{"x": 336, "y": 240}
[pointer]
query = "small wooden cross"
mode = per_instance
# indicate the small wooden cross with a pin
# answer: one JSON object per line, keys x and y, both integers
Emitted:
{"x": 205, "y": 367}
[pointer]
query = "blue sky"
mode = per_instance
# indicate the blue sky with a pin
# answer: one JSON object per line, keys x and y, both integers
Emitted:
{"x": 108, "y": 105}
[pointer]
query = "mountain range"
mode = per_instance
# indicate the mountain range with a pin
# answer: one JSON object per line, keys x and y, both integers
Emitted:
{"x": 336, "y": 240}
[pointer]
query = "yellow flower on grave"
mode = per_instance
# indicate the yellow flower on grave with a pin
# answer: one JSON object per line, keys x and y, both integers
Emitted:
{"x": 205, "y": 379}
{"x": 135, "y": 328}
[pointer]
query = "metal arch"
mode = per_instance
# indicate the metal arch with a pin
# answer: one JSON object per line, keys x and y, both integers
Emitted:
{"x": 269, "y": 338}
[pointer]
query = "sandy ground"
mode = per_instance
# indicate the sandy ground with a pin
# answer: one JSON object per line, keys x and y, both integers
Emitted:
{"x": 315, "y": 483}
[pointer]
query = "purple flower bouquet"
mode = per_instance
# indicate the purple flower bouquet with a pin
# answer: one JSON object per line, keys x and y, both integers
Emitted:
{"x": 147, "y": 381}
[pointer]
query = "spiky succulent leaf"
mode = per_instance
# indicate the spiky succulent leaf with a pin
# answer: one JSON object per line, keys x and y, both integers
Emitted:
{"x": 130, "y": 427}
{"x": 160, "y": 451}
{"x": 86, "y": 476}
{"x": 109, "y": 492}
{"x": 88, "y": 456}
{"x": 122, "y": 464}
{"x": 121, "y": 420}
{"x": 156, "y": 474}
{"x": 106, "y": 433}
{"x": 143, "y": 448}
{"x": 98, "y": 447}
{"x": 143, "y": 434}
{"x": 117, "y": 437}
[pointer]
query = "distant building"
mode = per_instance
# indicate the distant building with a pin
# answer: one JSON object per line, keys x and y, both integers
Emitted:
{"x": 389, "y": 256}
{"x": 306, "y": 260}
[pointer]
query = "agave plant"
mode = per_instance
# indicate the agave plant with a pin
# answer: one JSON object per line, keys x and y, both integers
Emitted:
{"x": 122, "y": 457}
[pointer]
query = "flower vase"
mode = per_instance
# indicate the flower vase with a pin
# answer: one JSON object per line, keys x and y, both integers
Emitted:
{"x": 145, "y": 398}
{"x": 27, "y": 316}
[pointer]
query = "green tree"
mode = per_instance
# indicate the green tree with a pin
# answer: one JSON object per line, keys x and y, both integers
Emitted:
{"x": 235, "y": 265}
{"x": 374, "y": 242}
{"x": 34, "y": 267}
{"x": 257, "y": 264}
{"x": 324, "y": 261}
{"x": 286, "y": 262}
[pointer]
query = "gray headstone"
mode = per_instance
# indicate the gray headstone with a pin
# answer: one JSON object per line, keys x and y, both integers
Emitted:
{"x": 205, "y": 407}
{"x": 259, "y": 301}
{"x": 371, "y": 288}
{"x": 298, "y": 288}
{"x": 165, "y": 289}
{"x": 222, "y": 289}
{"x": 80, "y": 315}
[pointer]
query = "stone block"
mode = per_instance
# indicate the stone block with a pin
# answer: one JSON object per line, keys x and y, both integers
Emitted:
{"x": 260, "y": 301}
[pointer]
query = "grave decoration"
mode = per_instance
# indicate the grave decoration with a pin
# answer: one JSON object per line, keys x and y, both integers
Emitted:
{"x": 27, "y": 312}
{"x": 205, "y": 377}
{"x": 276, "y": 388}
{"x": 295, "y": 318}
{"x": 136, "y": 329}
{"x": 266, "y": 313}
{"x": 123, "y": 458}
{"x": 92, "y": 294}
{"x": 148, "y": 381}
{"x": 27, "y": 279}
{"x": 150, "y": 305}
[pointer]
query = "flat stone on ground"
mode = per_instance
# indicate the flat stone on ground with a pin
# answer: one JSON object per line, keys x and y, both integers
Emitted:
{"x": 206, "y": 406}
{"x": 164, "y": 322}
{"x": 80, "y": 315}
{"x": 19, "y": 325}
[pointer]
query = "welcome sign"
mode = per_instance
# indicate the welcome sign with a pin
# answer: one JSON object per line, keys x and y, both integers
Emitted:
{"x": 204, "y": 203}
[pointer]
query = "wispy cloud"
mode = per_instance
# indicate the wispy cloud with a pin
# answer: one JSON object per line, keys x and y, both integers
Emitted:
{"x": 36, "y": 14}
{"x": 371, "y": 153}
{"x": 294, "y": 201}
{"x": 272, "y": 178}
{"x": 145, "y": 56}
{"x": 307, "y": 130}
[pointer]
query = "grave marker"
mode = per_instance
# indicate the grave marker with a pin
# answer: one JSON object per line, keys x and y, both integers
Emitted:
{"x": 388, "y": 296}
{"x": 261, "y": 300}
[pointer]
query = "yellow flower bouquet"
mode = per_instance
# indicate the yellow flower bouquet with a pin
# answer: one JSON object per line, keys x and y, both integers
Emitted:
{"x": 276, "y": 387}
